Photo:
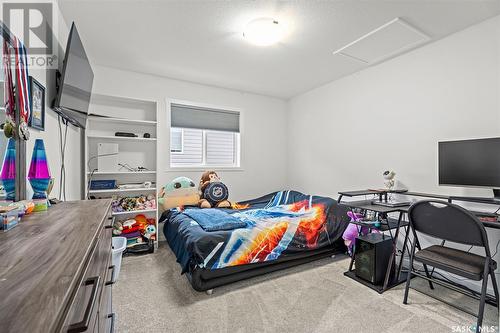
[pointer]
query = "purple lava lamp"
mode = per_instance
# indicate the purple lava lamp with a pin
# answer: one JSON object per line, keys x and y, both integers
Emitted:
{"x": 39, "y": 175}
{"x": 8, "y": 173}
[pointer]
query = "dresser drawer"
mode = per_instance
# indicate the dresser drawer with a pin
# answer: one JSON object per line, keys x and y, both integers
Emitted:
{"x": 83, "y": 315}
{"x": 105, "y": 306}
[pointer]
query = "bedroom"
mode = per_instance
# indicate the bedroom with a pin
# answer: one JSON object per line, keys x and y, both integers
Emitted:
{"x": 290, "y": 103}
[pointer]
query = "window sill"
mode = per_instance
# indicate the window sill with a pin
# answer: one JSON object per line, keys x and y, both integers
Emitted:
{"x": 203, "y": 168}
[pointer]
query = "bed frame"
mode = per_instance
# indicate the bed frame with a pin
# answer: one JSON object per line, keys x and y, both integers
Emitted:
{"x": 203, "y": 279}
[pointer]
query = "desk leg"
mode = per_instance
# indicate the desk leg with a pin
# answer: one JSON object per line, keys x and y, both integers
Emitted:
{"x": 352, "y": 259}
{"x": 354, "y": 249}
{"x": 392, "y": 259}
{"x": 405, "y": 245}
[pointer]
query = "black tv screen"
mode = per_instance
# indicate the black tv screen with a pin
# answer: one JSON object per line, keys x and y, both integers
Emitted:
{"x": 470, "y": 163}
{"x": 75, "y": 88}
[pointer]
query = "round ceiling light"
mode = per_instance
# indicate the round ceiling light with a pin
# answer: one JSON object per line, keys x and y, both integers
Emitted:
{"x": 263, "y": 31}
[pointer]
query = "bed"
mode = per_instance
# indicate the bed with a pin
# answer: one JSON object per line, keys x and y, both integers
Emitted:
{"x": 280, "y": 230}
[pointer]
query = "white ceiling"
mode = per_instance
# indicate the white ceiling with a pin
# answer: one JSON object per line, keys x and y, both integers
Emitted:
{"x": 201, "y": 41}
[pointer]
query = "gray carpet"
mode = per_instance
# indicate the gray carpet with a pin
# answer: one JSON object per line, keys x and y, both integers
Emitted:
{"x": 152, "y": 296}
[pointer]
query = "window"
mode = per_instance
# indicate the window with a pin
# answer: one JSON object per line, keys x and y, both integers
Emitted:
{"x": 201, "y": 137}
{"x": 176, "y": 140}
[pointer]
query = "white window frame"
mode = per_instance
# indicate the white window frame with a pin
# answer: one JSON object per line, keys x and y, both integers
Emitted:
{"x": 182, "y": 142}
{"x": 238, "y": 140}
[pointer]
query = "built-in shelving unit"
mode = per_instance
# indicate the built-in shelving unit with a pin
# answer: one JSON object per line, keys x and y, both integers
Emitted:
{"x": 111, "y": 114}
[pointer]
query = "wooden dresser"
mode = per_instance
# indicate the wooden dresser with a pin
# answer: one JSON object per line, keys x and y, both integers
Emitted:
{"x": 55, "y": 270}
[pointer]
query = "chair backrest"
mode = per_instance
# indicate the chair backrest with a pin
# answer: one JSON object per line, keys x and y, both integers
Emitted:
{"x": 447, "y": 221}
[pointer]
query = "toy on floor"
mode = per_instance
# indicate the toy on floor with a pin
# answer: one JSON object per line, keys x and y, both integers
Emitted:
{"x": 181, "y": 191}
{"x": 213, "y": 193}
{"x": 353, "y": 230}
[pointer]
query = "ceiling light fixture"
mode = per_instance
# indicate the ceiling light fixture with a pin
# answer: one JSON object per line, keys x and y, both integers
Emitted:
{"x": 263, "y": 31}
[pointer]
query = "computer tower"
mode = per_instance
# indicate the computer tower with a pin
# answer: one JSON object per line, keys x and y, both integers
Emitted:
{"x": 372, "y": 256}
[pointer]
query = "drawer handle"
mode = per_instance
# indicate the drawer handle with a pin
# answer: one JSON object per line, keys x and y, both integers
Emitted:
{"x": 110, "y": 226}
{"x": 112, "y": 281}
{"x": 112, "y": 328}
{"x": 84, "y": 324}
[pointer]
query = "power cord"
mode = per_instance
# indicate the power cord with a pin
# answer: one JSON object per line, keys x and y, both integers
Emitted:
{"x": 496, "y": 249}
{"x": 129, "y": 168}
{"x": 89, "y": 182}
{"x": 94, "y": 170}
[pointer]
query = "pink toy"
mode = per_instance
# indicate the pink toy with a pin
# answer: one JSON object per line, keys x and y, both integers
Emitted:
{"x": 352, "y": 231}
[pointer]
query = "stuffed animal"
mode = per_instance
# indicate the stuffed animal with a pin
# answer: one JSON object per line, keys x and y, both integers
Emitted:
{"x": 179, "y": 192}
{"x": 213, "y": 193}
{"x": 117, "y": 228}
{"x": 353, "y": 230}
{"x": 389, "y": 180}
{"x": 130, "y": 226}
{"x": 150, "y": 232}
{"x": 130, "y": 203}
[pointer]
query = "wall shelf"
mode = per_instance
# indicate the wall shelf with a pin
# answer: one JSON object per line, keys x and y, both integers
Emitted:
{"x": 133, "y": 212}
{"x": 120, "y": 190}
{"x": 147, "y": 172}
{"x": 126, "y": 138}
{"x": 121, "y": 120}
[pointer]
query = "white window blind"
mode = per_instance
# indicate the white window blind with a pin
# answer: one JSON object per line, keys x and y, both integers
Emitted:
{"x": 192, "y": 149}
{"x": 202, "y": 137}
{"x": 176, "y": 140}
{"x": 186, "y": 116}
{"x": 220, "y": 148}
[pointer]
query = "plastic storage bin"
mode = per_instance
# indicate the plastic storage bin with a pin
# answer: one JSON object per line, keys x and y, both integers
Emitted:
{"x": 9, "y": 218}
{"x": 119, "y": 245}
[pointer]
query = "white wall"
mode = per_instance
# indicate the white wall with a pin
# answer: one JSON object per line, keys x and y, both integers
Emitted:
{"x": 343, "y": 135}
{"x": 263, "y": 127}
{"x": 50, "y": 136}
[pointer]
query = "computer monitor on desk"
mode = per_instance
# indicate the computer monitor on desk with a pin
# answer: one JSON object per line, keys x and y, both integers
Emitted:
{"x": 471, "y": 163}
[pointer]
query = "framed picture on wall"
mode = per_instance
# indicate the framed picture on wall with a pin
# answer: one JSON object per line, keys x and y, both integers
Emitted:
{"x": 37, "y": 102}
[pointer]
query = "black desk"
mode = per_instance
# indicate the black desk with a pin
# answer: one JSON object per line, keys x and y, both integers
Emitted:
{"x": 396, "y": 224}
{"x": 451, "y": 199}
{"x": 381, "y": 194}
{"x": 387, "y": 224}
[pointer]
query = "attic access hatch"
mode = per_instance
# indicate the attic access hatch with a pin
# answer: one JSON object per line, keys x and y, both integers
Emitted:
{"x": 390, "y": 39}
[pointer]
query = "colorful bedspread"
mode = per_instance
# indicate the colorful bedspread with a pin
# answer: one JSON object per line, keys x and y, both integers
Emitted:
{"x": 213, "y": 219}
{"x": 276, "y": 225}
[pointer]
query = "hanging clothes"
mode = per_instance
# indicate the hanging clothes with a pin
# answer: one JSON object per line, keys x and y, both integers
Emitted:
{"x": 22, "y": 87}
{"x": 9, "y": 101}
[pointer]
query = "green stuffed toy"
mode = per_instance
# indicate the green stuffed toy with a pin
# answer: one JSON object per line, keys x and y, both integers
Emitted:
{"x": 179, "y": 192}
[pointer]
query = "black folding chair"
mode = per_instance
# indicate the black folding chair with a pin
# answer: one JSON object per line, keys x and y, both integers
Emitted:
{"x": 452, "y": 223}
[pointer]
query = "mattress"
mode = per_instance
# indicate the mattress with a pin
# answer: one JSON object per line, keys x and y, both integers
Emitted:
{"x": 279, "y": 227}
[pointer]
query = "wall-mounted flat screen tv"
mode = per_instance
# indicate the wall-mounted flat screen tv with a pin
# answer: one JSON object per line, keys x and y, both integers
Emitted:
{"x": 75, "y": 83}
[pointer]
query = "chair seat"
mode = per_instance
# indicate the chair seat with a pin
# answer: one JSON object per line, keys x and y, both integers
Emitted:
{"x": 466, "y": 264}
